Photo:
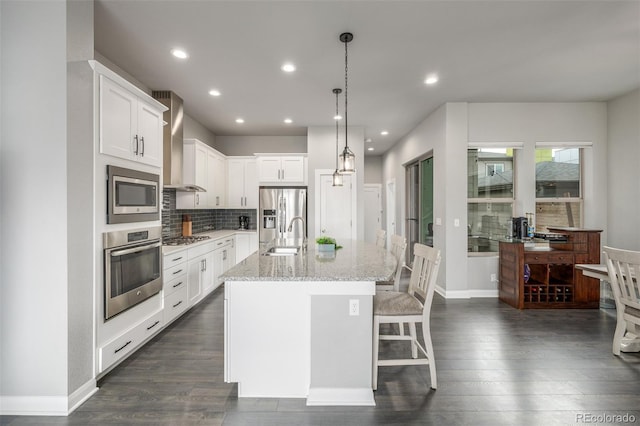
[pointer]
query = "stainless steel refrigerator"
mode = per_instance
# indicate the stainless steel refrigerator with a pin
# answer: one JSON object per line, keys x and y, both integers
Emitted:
{"x": 278, "y": 206}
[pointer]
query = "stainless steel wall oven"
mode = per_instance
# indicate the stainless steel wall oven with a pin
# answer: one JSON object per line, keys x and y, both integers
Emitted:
{"x": 132, "y": 268}
{"x": 132, "y": 195}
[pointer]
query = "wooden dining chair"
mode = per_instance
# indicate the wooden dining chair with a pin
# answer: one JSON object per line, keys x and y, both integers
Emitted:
{"x": 381, "y": 237}
{"x": 398, "y": 249}
{"x": 623, "y": 267}
{"x": 413, "y": 306}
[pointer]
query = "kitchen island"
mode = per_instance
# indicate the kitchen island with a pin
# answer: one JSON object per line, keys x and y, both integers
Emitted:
{"x": 300, "y": 326}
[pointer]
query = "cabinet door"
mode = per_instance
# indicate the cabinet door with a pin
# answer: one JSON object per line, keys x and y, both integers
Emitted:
{"x": 292, "y": 169}
{"x": 235, "y": 182}
{"x": 194, "y": 278}
{"x": 219, "y": 179}
{"x": 251, "y": 187}
{"x": 149, "y": 135}
{"x": 209, "y": 276}
{"x": 118, "y": 110}
{"x": 269, "y": 169}
{"x": 218, "y": 265}
{"x": 242, "y": 246}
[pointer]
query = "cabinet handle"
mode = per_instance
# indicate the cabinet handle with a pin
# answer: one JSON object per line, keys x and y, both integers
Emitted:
{"x": 220, "y": 243}
{"x": 282, "y": 174}
{"x": 197, "y": 199}
{"x": 122, "y": 347}
{"x": 278, "y": 174}
{"x": 224, "y": 255}
{"x": 142, "y": 143}
{"x": 176, "y": 285}
{"x": 217, "y": 200}
{"x": 153, "y": 325}
{"x": 176, "y": 259}
{"x": 177, "y": 304}
{"x": 135, "y": 151}
{"x": 177, "y": 272}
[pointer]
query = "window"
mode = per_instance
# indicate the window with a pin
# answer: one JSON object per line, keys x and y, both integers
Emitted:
{"x": 490, "y": 197}
{"x": 558, "y": 188}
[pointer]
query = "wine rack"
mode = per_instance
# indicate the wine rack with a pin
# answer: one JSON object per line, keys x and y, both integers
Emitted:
{"x": 552, "y": 280}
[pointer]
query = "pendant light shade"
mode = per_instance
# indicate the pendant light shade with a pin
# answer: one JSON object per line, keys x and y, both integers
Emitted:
{"x": 337, "y": 177}
{"x": 347, "y": 159}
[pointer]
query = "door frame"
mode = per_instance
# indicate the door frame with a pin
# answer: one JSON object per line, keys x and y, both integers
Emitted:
{"x": 391, "y": 191}
{"x": 354, "y": 202}
{"x": 378, "y": 188}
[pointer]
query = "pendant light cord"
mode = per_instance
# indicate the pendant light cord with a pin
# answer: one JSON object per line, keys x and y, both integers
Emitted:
{"x": 337, "y": 92}
{"x": 346, "y": 91}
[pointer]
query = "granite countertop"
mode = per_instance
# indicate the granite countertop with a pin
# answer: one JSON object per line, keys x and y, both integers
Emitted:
{"x": 213, "y": 235}
{"x": 356, "y": 261}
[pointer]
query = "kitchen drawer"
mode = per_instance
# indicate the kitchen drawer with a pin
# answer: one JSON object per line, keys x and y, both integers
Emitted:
{"x": 175, "y": 284}
{"x": 566, "y": 258}
{"x": 535, "y": 257}
{"x": 126, "y": 343}
{"x": 175, "y": 304}
{"x": 173, "y": 259}
{"x": 176, "y": 272}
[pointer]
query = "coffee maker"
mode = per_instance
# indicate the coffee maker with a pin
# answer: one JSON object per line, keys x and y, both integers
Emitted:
{"x": 520, "y": 227}
{"x": 243, "y": 222}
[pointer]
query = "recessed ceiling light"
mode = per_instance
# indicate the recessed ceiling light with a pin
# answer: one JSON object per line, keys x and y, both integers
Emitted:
{"x": 384, "y": 133}
{"x": 432, "y": 79}
{"x": 179, "y": 53}
{"x": 368, "y": 140}
{"x": 214, "y": 92}
{"x": 239, "y": 120}
{"x": 337, "y": 117}
{"x": 288, "y": 67}
{"x": 288, "y": 120}
{"x": 370, "y": 148}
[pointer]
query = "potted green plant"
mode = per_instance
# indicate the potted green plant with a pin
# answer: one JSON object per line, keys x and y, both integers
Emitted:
{"x": 325, "y": 243}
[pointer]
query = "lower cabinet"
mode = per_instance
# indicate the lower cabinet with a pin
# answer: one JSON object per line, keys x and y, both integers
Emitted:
{"x": 121, "y": 346}
{"x": 246, "y": 244}
{"x": 174, "y": 285}
{"x": 200, "y": 272}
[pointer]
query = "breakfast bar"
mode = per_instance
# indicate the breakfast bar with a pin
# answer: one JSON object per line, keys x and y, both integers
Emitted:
{"x": 298, "y": 323}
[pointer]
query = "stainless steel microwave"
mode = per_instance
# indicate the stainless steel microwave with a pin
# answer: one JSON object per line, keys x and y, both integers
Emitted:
{"x": 132, "y": 195}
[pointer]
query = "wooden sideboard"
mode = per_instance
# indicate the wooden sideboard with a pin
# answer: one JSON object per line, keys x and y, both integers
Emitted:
{"x": 554, "y": 282}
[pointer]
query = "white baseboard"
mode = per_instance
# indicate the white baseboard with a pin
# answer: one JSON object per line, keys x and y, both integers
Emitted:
{"x": 340, "y": 396}
{"x": 46, "y": 405}
{"x": 465, "y": 294}
{"x": 81, "y": 394}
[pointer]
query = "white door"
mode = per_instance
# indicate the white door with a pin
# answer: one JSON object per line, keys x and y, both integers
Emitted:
{"x": 391, "y": 210}
{"x": 150, "y": 135}
{"x": 372, "y": 211}
{"x": 337, "y": 207}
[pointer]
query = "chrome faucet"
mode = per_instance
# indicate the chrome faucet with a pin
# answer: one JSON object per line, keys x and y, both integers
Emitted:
{"x": 304, "y": 230}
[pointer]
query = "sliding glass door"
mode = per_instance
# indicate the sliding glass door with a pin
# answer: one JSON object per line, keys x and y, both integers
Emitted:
{"x": 419, "y": 217}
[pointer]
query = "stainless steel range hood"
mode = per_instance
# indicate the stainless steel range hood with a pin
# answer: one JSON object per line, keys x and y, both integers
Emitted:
{"x": 172, "y": 137}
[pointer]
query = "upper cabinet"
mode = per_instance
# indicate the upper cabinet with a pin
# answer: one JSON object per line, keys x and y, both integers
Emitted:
{"x": 205, "y": 167}
{"x": 285, "y": 169}
{"x": 130, "y": 124}
{"x": 242, "y": 183}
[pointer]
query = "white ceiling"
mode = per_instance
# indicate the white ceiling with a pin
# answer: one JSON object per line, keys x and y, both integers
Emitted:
{"x": 483, "y": 51}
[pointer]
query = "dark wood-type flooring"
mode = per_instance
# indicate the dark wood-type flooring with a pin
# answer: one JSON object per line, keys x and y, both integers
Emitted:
{"x": 496, "y": 366}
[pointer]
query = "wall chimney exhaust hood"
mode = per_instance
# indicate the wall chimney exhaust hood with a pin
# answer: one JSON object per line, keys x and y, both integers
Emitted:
{"x": 172, "y": 142}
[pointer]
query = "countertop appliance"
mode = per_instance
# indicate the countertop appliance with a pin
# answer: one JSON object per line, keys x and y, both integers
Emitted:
{"x": 520, "y": 227}
{"x": 183, "y": 240}
{"x": 243, "y": 222}
{"x": 278, "y": 205}
{"x": 132, "y": 268}
{"x": 132, "y": 195}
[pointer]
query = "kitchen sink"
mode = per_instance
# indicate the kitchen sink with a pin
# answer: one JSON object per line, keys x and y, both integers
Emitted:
{"x": 282, "y": 251}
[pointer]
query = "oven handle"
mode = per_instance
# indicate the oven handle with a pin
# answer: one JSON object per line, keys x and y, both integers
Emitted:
{"x": 135, "y": 249}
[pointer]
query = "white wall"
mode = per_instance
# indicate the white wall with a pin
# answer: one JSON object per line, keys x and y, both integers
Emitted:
{"x": 623, "y": 201}
{"x": 193, "y": 130}
{"x": 248, "y": 145}
{"x": 447, "y": 131}
{"x": 33, "y": 219}
{"x": 373, "y": 169}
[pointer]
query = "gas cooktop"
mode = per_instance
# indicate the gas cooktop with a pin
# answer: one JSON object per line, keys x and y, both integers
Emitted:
{"x": 179, "y": 241}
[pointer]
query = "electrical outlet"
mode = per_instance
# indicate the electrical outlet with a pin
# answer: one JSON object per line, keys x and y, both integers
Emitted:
{"x": 354, "y": 307}
{"x": 494, "y": 278}
{"x": 456, "y": 222}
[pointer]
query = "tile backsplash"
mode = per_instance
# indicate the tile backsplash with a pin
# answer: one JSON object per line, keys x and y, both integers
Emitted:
{"x": 202, "y": 220}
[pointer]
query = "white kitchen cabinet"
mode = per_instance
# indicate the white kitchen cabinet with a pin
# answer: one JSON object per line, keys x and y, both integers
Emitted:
{"x": 174, "y": 285}
{"x": 242, "y": 183}
{"x": 130, "y": 125}
{"x": 205, "y": 167}
{"x": 287, "y": 169}
{"x": 127, "y": 342}
{"x": 200, "y": 276}
{"x": 246, "y": 244}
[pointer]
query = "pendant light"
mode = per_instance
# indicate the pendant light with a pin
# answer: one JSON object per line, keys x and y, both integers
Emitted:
{"x": 347, "y": 158}
{"x": 337, "y": 177}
